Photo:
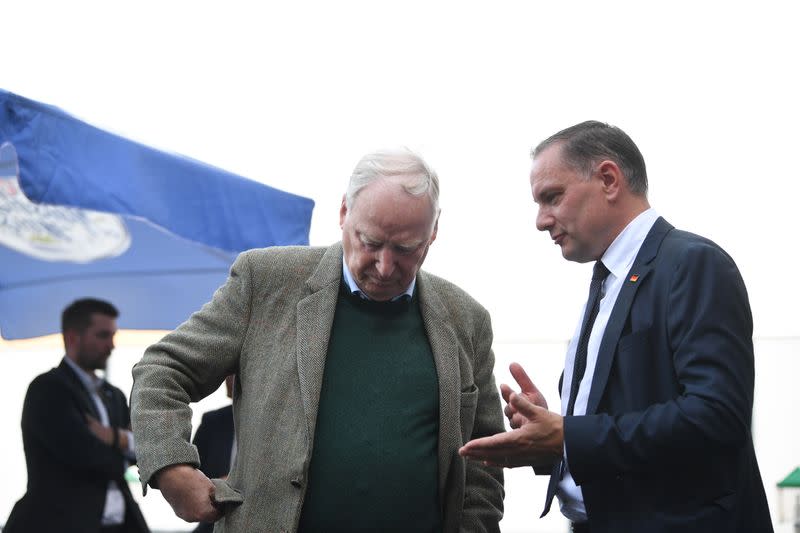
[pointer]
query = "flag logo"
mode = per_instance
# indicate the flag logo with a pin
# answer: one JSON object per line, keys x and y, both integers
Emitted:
{"x": 53, "y": 232}
{"x": 634, "y": 278}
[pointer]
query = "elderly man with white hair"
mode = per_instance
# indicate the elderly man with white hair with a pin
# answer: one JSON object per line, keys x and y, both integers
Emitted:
{"x": 358, "y": 378}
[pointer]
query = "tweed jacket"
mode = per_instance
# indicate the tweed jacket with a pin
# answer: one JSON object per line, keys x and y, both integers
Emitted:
{"x": 269, "y": 324}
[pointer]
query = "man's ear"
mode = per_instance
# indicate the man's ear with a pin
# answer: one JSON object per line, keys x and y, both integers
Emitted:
{"x": 343, "y": 211}
{"x": 435, "y": 226}
{"x": 71, "y": 338}
{"x": 613, "y": 180}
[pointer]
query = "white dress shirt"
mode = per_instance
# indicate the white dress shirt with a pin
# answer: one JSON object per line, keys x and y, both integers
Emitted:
{"x": 618, "y": 259}
{"x": 114, "y": 508}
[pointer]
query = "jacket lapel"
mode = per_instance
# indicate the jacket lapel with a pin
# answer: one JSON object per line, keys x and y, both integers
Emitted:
{"x": 112, "y": 406}
{"x": 641, "y": 268}
{"x": 314, "y": 320}
{"x": 443, "y": 341}
{"x": 75, "y": 384}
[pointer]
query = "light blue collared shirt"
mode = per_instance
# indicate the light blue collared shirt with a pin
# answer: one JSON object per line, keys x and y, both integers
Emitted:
{"x": 354, "y": 289}
{"x": 618, "y": 259}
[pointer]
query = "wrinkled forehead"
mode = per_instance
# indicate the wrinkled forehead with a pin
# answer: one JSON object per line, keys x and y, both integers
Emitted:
{"x": 540, "y": 186}
{"x": 393, "y": 195}
{"x": 399, "y": 185}
{"x": 544, "y": 172}
{"x": 398, "y": 225}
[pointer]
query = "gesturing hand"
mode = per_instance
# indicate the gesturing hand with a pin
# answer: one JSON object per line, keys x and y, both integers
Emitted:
{"x": 537, "y": 442}
{"x": 527, "y": 390}
{"x": 189, "y": 492}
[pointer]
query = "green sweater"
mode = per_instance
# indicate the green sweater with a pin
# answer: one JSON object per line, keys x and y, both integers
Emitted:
{"x": 374, "y": 465}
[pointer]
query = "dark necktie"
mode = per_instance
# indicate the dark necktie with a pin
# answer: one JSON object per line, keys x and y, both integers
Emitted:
{"x": 579, "y": 367}
{"x": 592, "y": 307}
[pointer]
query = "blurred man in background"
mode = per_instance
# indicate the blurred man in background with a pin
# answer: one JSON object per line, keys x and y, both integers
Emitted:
{"x": 77, "y": 438}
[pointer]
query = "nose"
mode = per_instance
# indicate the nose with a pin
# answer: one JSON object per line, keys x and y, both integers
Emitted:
{"x": 544, "y": 219}
{"x": 384, "y": 263}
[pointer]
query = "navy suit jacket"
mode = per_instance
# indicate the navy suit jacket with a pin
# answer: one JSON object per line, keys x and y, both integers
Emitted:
{"x": 666, "y": 444}
{"x": 68, "y": 467}
{"x": 214, "y": 441}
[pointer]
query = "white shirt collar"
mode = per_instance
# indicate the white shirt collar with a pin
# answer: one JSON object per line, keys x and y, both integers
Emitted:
{"x": 619, "y": 257}
{"x": 354, "y": 289}
{"x": 91, "y": 381}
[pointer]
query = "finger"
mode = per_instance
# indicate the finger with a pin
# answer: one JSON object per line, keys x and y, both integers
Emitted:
{"x": 216, "y": 512}
{"x": 502, "y": 457}
{"x": 509, "y": 411}
{"x": 510, "y": 457}
{"x": 199, "y": 508}
{"x": 213, "y": 515}
{"x": 521, "y": 377}
{"x": 207, "y": 513}
{"x": 517, "y": 421}
{"x": 217, "y": 508}
{"x": 505, "y": 391}
{"x": 507, "y": 463}
{"x": 525, "y": 407}
{"x": 493, "y": 443}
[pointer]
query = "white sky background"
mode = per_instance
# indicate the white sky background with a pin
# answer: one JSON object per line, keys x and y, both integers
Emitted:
{"x": 294, "y": 93}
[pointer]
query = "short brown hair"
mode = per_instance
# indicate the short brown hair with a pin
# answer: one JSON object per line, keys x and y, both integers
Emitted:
{"x": 78, "y": 315}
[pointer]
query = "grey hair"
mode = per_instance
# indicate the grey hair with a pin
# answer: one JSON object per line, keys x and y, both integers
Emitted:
{"x": 587, "y": 143}
{"x": 391, "y": 163}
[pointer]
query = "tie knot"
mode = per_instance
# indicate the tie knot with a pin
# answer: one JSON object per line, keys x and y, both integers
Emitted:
{"x": 600, "y": 271}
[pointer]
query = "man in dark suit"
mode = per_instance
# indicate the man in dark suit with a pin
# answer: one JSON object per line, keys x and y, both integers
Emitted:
{"x": 215, "y": 444}
{"x": 75, "y": 431}
{"x": 657, "y": 391}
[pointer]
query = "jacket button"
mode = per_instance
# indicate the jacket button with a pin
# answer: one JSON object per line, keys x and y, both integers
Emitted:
{"x": 297, "y": 482}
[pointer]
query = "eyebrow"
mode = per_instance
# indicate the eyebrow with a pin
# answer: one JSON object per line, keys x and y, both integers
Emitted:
{"x": 546, "y": 195}
{"x": 546, "y": 191}
{"x": 412, "y": 245}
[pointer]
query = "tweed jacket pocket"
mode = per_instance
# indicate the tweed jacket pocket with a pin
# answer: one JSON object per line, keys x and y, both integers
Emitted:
{"x": 226, "y": 495}
{"x": 469, "y": 402}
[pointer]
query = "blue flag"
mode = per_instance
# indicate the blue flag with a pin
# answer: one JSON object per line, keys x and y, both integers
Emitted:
{"x": 85, "y": 213}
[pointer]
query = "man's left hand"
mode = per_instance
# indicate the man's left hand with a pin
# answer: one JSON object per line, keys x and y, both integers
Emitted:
{"x": 539, "y": 441}
{"x": 527, "y": 390}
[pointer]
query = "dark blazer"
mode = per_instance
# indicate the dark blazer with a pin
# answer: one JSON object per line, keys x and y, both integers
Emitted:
{"x": 666, "y": 445}
{"x": 214, "y": 441}
{"x": 68, "y": 467}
